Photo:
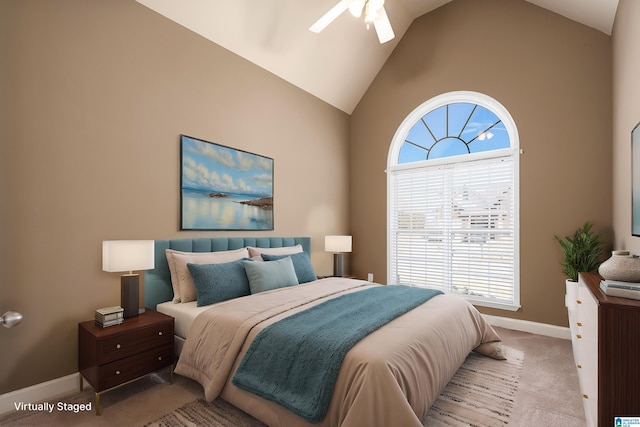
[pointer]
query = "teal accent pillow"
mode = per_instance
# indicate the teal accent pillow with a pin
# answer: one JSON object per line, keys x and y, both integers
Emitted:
{"x": 301, "y": 264}
{"x": 219, "y": 282}
{"x": 264, "y": 276}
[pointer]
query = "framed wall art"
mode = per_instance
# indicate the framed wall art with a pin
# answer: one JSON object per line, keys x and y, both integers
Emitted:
{"x": 635, "y": 181}
{"x": 222, "y": 188}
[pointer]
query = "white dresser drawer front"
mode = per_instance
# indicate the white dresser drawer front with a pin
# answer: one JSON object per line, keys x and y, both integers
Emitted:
{"x": 587, "y": 334}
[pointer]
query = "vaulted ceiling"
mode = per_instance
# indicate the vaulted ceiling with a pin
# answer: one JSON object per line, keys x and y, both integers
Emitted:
{"x": 339, "y": 64}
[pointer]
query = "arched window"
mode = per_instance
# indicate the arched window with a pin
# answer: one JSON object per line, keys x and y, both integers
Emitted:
{"x": 452, "y": 186}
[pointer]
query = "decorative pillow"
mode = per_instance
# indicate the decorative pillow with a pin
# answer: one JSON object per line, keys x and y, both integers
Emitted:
{"x": 264, "y": 276}
{"x": 285, "y": 250}
{"x": 301, "y": 264}
{"x": 219, "y": 282}
{"x": 181, "y": 280}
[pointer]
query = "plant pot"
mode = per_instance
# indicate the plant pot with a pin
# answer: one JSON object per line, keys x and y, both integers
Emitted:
{"x": 571, "y": 294}
{"x": 622, "y": 266}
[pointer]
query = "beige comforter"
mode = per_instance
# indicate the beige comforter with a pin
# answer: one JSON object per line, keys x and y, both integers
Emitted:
{"x": 390, "y": 378}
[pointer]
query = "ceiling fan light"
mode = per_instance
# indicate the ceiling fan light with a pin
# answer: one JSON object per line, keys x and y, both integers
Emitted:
{"x": 372, "y": 9}
{"x": 375, "y": 5}
{"x": 370, "y": 16}
{"x": 356, "y": 7}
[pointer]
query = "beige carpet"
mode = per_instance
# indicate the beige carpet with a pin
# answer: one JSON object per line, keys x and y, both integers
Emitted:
{"x": 481, "y": 393}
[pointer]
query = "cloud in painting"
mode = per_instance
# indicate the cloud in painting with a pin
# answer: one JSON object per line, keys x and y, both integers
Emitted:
{"x": 211, "y": 167}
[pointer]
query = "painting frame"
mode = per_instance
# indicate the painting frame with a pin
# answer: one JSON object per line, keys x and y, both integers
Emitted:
{"x": 224, "y": 188}
{"x": 635, "y": 181}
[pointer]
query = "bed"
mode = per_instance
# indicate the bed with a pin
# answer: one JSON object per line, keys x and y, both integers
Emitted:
{"x": 390, "y": 377}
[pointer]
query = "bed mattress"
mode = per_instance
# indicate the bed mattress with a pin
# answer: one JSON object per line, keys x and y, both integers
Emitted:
{"x": 184, "y": 315}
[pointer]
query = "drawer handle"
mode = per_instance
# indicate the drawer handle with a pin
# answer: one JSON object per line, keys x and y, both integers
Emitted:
{"x": 117, "y": 345}
{"x": 159, "y": 357}
{"x": 117, "y": 372}
{"x": 579, "y": 302}
{"x": 579, "y": 323}
{"x": 160, "y": 333}
{"x": 586, "y": 396}
{"x": 579, "y": 336}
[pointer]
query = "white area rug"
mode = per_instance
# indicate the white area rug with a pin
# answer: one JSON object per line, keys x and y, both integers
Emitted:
{"x": 480, "y": 394}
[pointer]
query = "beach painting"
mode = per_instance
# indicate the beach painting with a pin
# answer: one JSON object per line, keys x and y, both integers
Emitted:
{"x": 223, "y": 188}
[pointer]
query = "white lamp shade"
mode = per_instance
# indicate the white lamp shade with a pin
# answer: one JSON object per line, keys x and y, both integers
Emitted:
{"x": 127, "y": 255}
{"x": 337, "y": 244}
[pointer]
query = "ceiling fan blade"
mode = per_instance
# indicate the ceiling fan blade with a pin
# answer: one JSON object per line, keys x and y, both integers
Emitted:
{"x": 330, "y": 16}
{"x": 383, "y": 26}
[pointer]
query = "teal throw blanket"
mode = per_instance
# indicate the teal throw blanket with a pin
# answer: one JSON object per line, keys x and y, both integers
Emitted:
{"x": 295, "y": 361}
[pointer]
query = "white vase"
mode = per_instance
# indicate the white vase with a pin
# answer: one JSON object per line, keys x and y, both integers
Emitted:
{"x": 622, "y": 266}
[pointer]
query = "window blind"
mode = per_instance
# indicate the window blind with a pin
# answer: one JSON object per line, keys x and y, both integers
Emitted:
{"x": 452, "y": 227}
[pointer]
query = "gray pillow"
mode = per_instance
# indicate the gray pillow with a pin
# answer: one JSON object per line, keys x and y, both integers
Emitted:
{"x": 264, "y": 276}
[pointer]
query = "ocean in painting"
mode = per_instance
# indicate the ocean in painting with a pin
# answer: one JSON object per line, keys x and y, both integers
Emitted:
{"x": 203, "y": 212}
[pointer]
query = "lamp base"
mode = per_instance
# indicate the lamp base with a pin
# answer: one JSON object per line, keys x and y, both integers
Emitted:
{"x": 338, "y": 264}
{"x": 129, "y": 294}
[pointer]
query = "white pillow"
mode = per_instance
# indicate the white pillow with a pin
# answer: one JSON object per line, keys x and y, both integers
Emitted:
{"x": 285, "y": 250}
{"x": 184, "y": 290}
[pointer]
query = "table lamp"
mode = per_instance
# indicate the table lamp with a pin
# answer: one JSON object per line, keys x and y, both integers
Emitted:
{"x": 338, "y": 245}
{"x": 128, "y": 255}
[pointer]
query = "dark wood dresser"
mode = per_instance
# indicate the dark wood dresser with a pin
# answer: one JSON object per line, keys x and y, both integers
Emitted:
{"x": 112, "y": 356}
{"x": 610, "y": 327}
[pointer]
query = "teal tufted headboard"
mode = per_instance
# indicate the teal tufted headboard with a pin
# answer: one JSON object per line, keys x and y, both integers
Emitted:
{"x": 157, "y": 282}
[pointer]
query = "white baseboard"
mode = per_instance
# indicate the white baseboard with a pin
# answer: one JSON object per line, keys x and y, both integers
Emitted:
{"x": 40, "y": 392}
{"x": 531, "y": 327}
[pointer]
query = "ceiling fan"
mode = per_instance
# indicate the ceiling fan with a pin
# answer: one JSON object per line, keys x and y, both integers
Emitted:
{"x": 373, "y": 11}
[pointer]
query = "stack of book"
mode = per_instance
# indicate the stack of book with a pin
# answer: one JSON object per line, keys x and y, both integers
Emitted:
{"x": 616, "y": 288}
{"x": 109, "y": 316}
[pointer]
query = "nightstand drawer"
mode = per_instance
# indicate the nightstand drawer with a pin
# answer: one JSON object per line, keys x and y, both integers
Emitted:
{"x": 126, "y": 344}
{"x": 130, "y": 368}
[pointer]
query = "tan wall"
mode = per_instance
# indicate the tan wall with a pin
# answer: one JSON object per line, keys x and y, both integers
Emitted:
{"x": 553, "y": 75}
{"x": 626, "y": 115}
{"x": 94, "y": 97}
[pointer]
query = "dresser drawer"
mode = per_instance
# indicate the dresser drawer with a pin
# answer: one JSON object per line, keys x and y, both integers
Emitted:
{"x": 127, "y": 344}
{"x": 130, "y": 368}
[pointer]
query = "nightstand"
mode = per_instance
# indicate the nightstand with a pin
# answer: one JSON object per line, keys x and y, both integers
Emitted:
{"x": 113, "y": 356}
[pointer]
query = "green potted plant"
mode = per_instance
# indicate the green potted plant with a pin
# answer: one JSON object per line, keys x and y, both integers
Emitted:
{"x": 582, "y": 251}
